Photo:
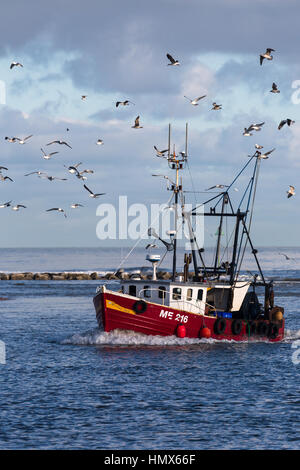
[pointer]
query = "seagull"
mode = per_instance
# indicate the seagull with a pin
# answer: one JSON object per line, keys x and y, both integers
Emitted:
{"x": 86, "y": 171}
{"x": 264, "y": 155}
{"x": 257, "y": 146}
{"x": 137, "y": 123}
{"x": 286, "y": 257}
{"x": 5, "y": 204}
{"x": 39, "y": 173}
{"x": 99, "y": 142}
{"x": 73, "y": 168}
{"x": 219, "y": 186}
{"x": 256, "y": 127}
{"x": 194, "y": 102}
{"x": 150, "y": 245}
{"x": 274, "y": 88}
{"x": 216, "y": 106}
{"x": 17, "y": 207}
{"x": 289, "y": 122}
{"x": 83, "y": 97}
{"x": 47, "y": 156}
{"x": 247, "y": 132}
{"x": 52, "y": 178}
{"x": 11, "y": 139}
{"x": 93, "y": 195}
{"x": 160, "y": 153}
{"x": 59, "y": 209}
{"x": 80, "y": 175}
{"x": 23, "y": 141}
{"x": 123, "y": 103}
{"x": 267, "y": 55}
{"x": 4, "y": 178}
{"x": 291, "y": 191}
{"x": 3, "y": 168}
{"x": 15, "y": 64}
{"x": 75, "y": 205}
{"x": 172, "y": 61}
{"x": 60, "y": 142}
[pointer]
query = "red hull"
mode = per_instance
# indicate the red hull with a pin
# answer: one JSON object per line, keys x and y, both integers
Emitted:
{"x": 115, "y": 311}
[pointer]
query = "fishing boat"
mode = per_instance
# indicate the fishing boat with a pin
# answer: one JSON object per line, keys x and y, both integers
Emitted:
{"x": 213, "y": 300}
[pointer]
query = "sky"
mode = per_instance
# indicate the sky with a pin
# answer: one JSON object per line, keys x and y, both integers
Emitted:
{"x": 116, "y": 50}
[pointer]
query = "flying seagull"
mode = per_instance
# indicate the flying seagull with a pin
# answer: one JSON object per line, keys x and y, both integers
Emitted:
{"x": 4, "y": 178}
{"x": 267, "y": 55}
{"x": 256, "y": 127}
{"x": 262, "y": 155}
{"x": 123, "y": 103}
{"x": 150, "y": 245}
{"x": 291, "y": 191}
{"x": 75, "y": 205}
{"x": 83, "y": 97}
{"x": 5, "y": 204}
{"x": 17, "y": 207}
{"x": 11, "y": 139}
{"x": 172, "y": 61}
{"x": 52, "y": 178}
{"x": 216, "y": 106}
{"x": 59, "y": 209}
{"x": 274, "y": 88}
{"x": 99, "y": 142}
{"x": 218, "y": 186}
{"x": 93, "y": 195}
{"x": 194, "y": 102}
{"x": 15, "y": 64}
{"x": 3, "y": 168}
{"x": 23, "y": 141}
{"x": 137, "y": 123}
{"x": 289, "y": 122}
{"x": 257, "y": 146}
{"x": 286, "y": 256}
{"x": 60, "y": 142}
{"x": 47, "y": 156}
{"x": 160, "y": 153}
{"x": 73, "y": 168}
{"x": 247, "y": 132}
{"x": 39, "y": 173}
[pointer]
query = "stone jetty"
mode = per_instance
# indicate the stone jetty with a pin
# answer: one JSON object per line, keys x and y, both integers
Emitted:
{"x": 74, "y": 276}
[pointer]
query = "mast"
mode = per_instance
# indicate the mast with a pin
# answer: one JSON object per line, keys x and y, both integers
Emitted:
{"x": 177, "y": 163}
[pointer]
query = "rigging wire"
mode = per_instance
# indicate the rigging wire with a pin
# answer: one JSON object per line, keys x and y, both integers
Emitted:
{"x": 139, "y": 239}
{"x": 257, "y": 165}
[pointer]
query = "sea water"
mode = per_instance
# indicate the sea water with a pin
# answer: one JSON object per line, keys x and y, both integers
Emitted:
{"x": 66, "y": 384}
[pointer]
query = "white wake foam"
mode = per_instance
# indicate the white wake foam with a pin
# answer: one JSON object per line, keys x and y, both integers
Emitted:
{"x": 121, "y": 337}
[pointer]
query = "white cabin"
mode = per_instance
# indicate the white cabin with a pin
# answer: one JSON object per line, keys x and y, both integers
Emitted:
{"x": 191, "y": 297}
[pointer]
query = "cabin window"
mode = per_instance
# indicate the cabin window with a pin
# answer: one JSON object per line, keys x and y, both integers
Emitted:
{"x": 161, "y": 292}
{"x": 200, "y": 294}
{"x": 147, "y": 292}
{"x": 189, "y": 294}
{"x": 176, "y": 293}
{"x": 132, "y": 290}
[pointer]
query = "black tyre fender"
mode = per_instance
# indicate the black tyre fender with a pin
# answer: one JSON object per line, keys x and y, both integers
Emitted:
{"x": 236, "y": 327}
{"x": 263, "y": 328}
{"x": 273, "y": 330}
{"x": 219, "y": 326}
{"x": 139, "y": 306}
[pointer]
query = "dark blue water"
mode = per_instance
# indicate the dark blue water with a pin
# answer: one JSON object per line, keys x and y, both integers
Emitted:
{"x": 66, "y": 384}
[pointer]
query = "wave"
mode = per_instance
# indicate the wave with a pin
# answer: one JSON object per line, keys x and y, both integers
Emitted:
{"x": 98, "y": 337}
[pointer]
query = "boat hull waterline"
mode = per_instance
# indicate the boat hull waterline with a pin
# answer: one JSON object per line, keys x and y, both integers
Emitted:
{"x": 117, "y": 311}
